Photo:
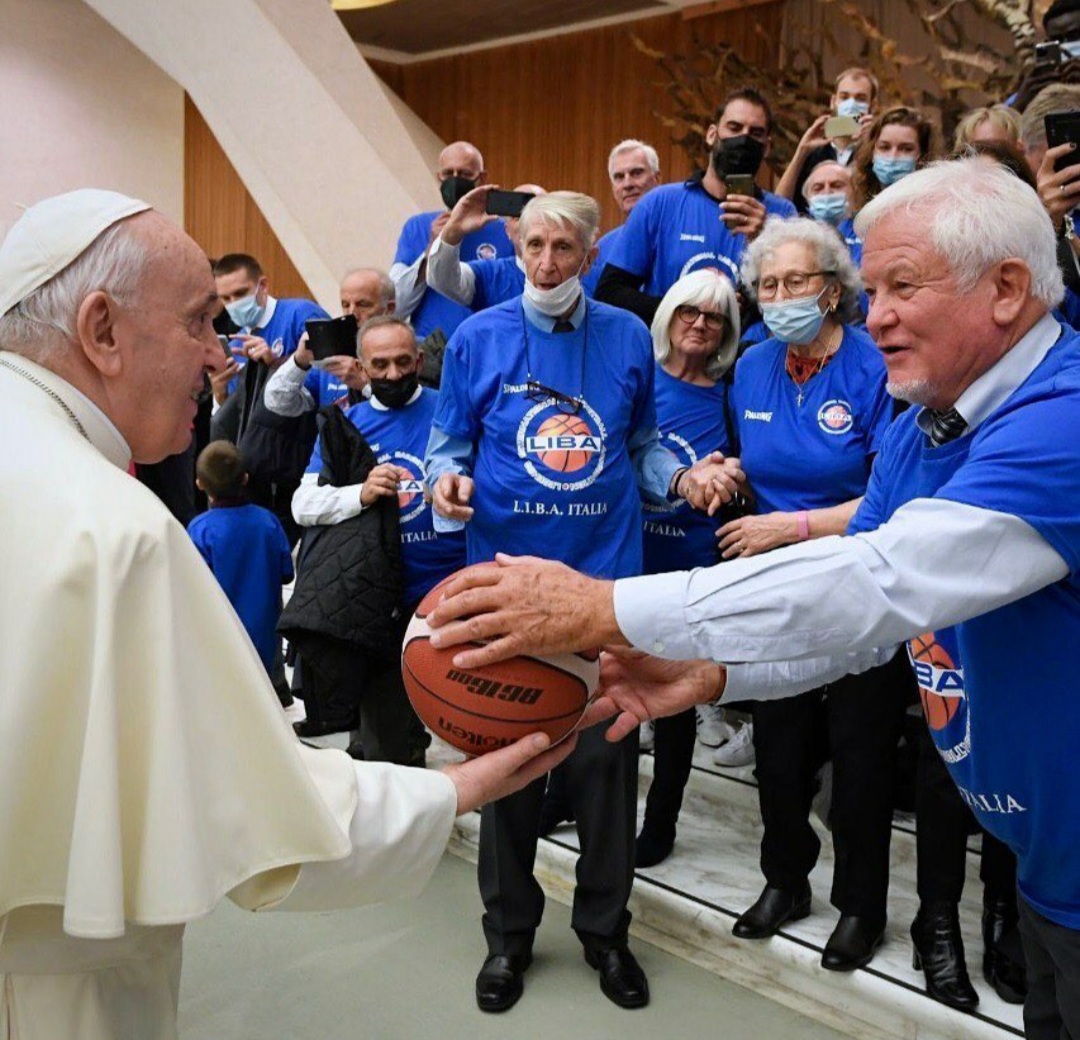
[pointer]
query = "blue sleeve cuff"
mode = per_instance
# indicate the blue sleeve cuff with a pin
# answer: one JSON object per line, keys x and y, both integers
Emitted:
{"x": 447, "y": 454}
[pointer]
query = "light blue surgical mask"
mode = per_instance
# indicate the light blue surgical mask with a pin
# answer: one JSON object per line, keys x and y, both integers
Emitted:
{"x": 829, "y": 209}
{"x": 795, "y": 321}
{"x": 890, "y": 168}
{"x": 245, "y": 312}
{"x": 853, "y": 107}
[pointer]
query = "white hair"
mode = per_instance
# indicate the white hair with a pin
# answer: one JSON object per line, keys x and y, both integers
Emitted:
{"x": 580, "y": 211}
{"x": 386, "y": 286}
{"x": 632, "y": 144}
{"x": 706, "y": 290}
{"x": 829, "y": 248}
{"x": 976, "y": 214}
{"x": 42, "y": 324}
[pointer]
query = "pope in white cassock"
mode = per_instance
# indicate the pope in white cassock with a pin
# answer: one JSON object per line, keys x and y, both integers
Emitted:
{"x": 147, "y": 767}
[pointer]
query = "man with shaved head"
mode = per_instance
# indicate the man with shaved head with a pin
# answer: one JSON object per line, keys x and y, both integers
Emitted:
{"x": 148, "y": 770}
{"x": 461, "y": 168}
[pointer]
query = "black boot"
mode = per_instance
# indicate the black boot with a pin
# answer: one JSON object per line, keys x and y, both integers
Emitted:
{"x": 1003, "y": 957}
{"x": 939, "y": 952}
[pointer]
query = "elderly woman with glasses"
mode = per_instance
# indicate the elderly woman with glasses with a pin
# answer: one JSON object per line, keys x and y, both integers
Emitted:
{"x": 809, "y": 408}
{"x": 695, "y": 335}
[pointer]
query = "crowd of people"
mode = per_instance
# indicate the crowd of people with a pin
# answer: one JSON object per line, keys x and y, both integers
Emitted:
{"x": 744, "y": 384}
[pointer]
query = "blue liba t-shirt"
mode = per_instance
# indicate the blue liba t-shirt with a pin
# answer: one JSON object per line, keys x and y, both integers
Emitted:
{"x": 435, "y": 311}
{"x": 246, "y": 548}
{"x": 818, "y": 452}
{"x": 282, "y": 332}
{"x": 496, "y": 282}
{"x": 676, "y": 229}
{"x": 324, "y": 388}
{"x": 692, "y": 423}
{"x": 1000, "y": 690}
{"x": 399, "y": 436}
{"x": 549, "y": 483}
{"x": 604, "y": 248}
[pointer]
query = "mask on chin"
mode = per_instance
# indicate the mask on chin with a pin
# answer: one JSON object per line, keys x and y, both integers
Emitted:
{"x": 395, "y": 393}
{"x": 454, "y": 189}
{"x": 555, "y": 302}
{"x": 742, "y": 154}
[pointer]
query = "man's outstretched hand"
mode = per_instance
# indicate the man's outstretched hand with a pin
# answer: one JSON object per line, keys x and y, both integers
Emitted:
{"x": 509, "y": 769}
{"x": 524, "y": 605}
{"x": 637, "y": 687}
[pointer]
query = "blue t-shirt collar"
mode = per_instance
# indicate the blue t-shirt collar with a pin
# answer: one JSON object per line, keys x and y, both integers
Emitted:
{"x": 547, "y": 324}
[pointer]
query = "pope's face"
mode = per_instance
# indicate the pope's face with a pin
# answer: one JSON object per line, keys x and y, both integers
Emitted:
{"x": 166, "y": 344}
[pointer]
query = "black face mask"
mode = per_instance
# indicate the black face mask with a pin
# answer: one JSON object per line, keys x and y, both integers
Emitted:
{"x": 395, "y": 393}
{"x": 454, "y": 189}
{"x": 742, "y": 154}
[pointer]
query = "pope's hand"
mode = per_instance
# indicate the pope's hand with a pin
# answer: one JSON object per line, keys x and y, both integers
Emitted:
{"x": 524, "y": 605}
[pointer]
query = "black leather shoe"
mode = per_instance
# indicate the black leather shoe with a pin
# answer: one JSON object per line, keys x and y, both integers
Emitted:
{"x": 1003, "y": 957}
{"x": 621, "y": 978}
{"x": 653, "y": 845}
{"x": 852, "y": 944}
{"x": 939, "y": 952}
{"x": 499, "y": 985}
{"x": 774, "y": 908}
{"x": 311, "y": 728}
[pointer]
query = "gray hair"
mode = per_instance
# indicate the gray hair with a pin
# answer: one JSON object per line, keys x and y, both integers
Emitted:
{"x": 1058, "y": 97}
{"x": 386, "y": 286}
{"x": 707, "y": 290}
{"x": 42, "y": 324}
{"x": 961, "y": 203}
{"x": 829, "y": 248}
{"x": 381, "y": 320}
{"x": 580, "y": 211}
{"x": 632, "y": 144}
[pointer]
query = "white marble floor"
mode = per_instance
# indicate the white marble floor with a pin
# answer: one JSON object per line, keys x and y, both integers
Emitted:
{"x": 688, "y": 903}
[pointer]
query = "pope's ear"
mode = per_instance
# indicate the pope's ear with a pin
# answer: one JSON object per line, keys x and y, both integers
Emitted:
{"x": 95, "y": 330}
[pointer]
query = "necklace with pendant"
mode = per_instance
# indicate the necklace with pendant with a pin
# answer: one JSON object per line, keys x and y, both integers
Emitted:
{"x": 829, "y": 351}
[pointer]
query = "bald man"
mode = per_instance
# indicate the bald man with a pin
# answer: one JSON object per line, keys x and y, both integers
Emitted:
{"x": 461, "y": 168}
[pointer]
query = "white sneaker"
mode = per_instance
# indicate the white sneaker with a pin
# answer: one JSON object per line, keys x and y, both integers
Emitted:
{"x": 739, "y": 751}
{"x": 712, "y": 730}
{"x": 646, "y": 736}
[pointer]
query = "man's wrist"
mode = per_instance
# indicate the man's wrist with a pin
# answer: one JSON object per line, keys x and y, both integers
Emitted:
{"x": 673, "y": 487}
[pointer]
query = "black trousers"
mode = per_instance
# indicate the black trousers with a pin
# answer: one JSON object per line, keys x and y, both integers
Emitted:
{"x": 942, "y": 825}
{"x": 1052, "y": 953}
{"x": 673, "y": 755}
{"x": 857, "y": 722}
{"x": 601, "y": 786}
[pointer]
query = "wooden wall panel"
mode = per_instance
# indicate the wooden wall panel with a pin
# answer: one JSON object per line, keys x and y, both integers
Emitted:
{"x": 221, "y": 215}
{"x": 550, "y": 110}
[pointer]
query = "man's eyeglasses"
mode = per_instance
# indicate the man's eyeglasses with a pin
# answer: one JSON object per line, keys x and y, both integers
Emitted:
{"x": 536, "y": 391}
{"x": 688, "y": 313}
{"x": 794, "y": 282}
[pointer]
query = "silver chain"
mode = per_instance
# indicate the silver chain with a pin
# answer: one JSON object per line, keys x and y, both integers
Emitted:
{"x": 46, "y": 389}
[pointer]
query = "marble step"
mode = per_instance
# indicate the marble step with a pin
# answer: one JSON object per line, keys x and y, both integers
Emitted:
{"x": 687, "y": 905}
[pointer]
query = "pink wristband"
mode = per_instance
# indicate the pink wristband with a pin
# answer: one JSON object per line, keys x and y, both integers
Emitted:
{"x": 803, "y": 521}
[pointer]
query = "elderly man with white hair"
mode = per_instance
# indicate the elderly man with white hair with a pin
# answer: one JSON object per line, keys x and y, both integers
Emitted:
{"x": 966, "y": 547}
{"x": 147, "y": 768}
{"x": 544, "y": 433}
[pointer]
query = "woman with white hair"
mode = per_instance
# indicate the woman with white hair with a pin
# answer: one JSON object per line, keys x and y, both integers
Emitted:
{"x": 809, "y": 409}
{"x": 695, "y": 336}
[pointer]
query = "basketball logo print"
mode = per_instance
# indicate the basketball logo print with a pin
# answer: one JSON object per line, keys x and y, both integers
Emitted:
{"x": 941, "y": 684}
{"x": 411, "y": 501}
{"x": 562, "y": 451}
{"x": 835, "y": 417}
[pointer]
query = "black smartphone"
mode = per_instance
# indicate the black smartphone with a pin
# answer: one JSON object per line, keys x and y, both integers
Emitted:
{"x": 1062, "y": 127}
{"x": 740, "y": 184}
{"x": 332, "y": 337}
{"x": 224, "y": 341}
{"x": 1048, "y": 53}
{"x": 507, "y": 203}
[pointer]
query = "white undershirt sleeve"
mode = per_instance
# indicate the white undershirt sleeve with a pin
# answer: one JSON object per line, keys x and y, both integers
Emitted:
{"x": 285, "y": 393}
{"x": 408, "y": 289}
{"x": 314, "y": 504}
{"x": 933, "y": 564}
{"x": 446, "y": 273}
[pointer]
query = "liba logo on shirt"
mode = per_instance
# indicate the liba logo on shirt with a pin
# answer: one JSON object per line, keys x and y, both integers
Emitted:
{"x": 835, "y": 417}
{"x": 562, "y": 452}
{"x": 486, "y": 251}
{"x": 411, "y": 488}
{"x": 944, "y": 701}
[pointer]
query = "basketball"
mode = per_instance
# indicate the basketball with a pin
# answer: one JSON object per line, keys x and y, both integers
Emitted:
{"x": 570, "y": 458}
{"x": 937, "y": 709}
{"x": 480, "y": 709}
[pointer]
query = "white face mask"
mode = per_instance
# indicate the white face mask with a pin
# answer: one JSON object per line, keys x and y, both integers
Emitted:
{"x": 555, "y": 302}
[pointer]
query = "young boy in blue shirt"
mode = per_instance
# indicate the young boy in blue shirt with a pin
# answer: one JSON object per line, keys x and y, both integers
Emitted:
{"x": 246, "y": 548}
